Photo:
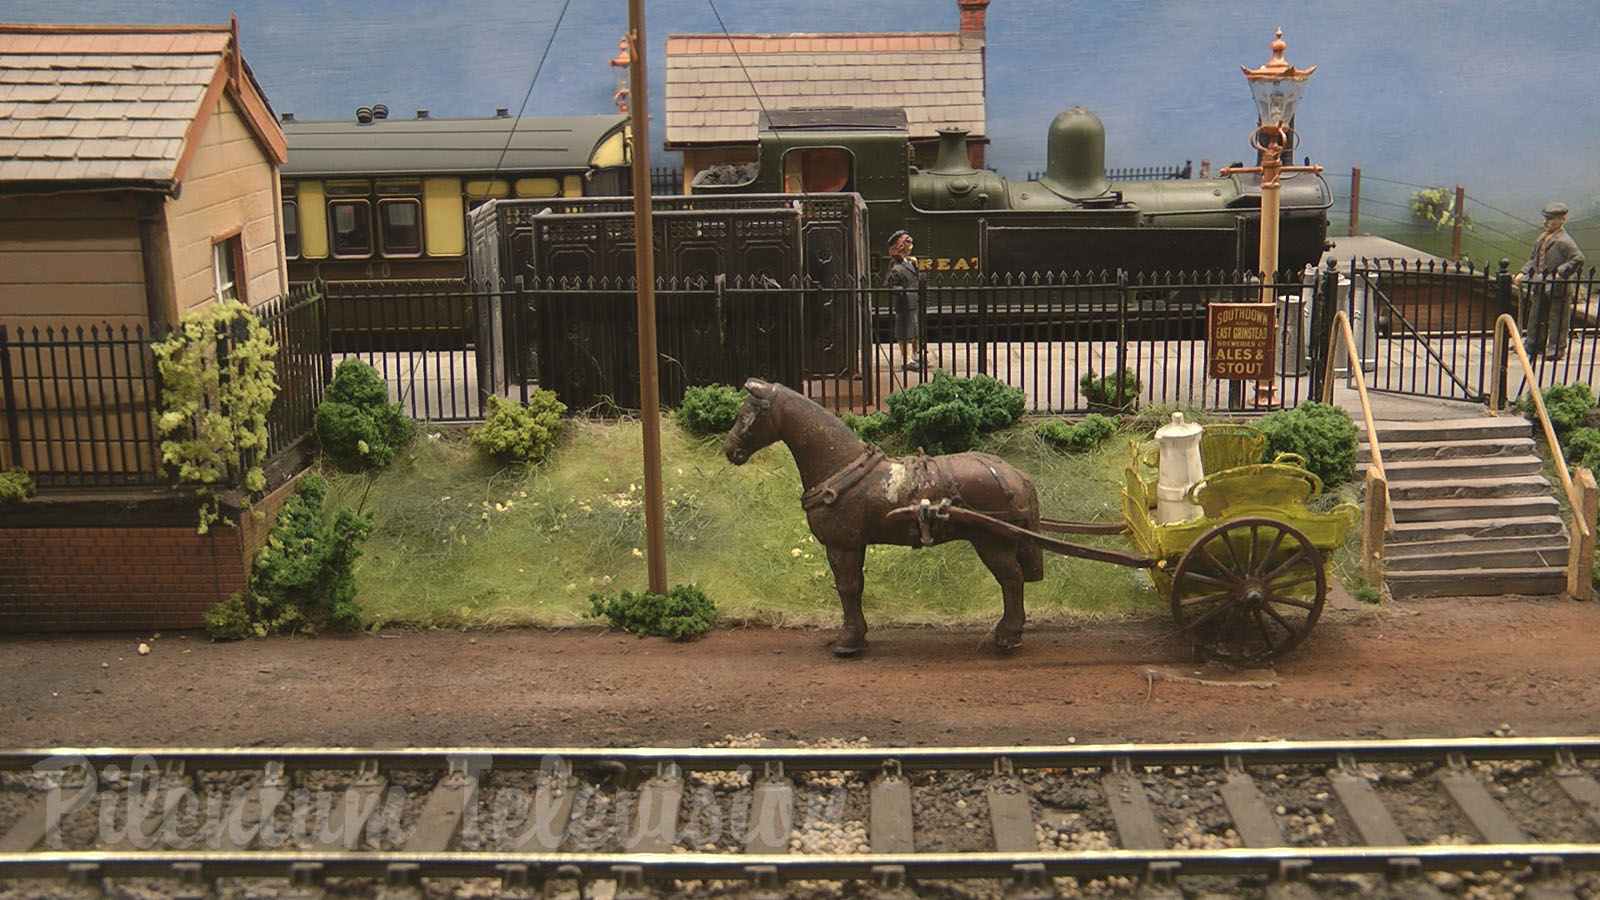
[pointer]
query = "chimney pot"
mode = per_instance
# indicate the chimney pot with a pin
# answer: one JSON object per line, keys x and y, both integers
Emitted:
{"x": 502, "y": 112}
{"x": 973, "y": 14}
{"x": 287, "y": 117}
{"x": 422, "y": 114}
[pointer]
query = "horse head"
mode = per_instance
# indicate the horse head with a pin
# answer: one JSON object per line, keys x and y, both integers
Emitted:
{"x": 754, "y": 429}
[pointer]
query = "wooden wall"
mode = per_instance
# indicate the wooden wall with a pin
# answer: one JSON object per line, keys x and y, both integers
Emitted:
{"x": 230, "y": 187}
{"x": 70, "y": 259}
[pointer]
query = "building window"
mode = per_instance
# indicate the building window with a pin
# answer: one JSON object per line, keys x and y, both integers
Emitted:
{"x": 351, "y": 224}
{"x": 291, "y": 229}
{"x": 400, "y": 227}
{"x": 227, "y": 261}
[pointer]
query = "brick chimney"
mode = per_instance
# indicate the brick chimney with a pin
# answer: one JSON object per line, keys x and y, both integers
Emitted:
{"x": 972, "y": 25}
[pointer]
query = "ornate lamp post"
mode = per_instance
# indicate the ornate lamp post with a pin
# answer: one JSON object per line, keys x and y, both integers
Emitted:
{"x": 1277, "y": 88}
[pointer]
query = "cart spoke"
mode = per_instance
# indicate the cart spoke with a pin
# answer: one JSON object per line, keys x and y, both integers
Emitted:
{"x": 1266, "y": 632}
{"x": 1273, "y": 550}
{"x": 1282, "y": 585}
{"x": 1207, "y": 615}
{"x": 1208, "y": 598}
{"x": 1217, "y": 563}
{"x": 1209, "y": 579}
{"x": 1250, "y": 562}
{"x": 1280, "y": 619}
{"x": 1287, "y": 564}
{"x": 1290, "y": 601}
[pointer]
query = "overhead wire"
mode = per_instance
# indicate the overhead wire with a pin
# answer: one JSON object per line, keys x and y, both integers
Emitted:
{"x": 510, "y": 135}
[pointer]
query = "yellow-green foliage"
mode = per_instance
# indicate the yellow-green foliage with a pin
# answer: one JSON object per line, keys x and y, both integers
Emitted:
{"x": 683, "y": 613}
{"x": 228, "y": 620}
{"x": 517, "y": 433}
{"x": 213, "y": 415}
{"x": 15, "y": 486}
{"x": 1077, "y": 438}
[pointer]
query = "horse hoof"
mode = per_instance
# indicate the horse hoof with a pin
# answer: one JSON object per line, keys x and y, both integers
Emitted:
{"x": 847, "y": 648}
{"x": 993, "y": 643}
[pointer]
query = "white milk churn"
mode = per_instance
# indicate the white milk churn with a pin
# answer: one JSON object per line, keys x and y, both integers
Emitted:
{"x": 1179, "y": 443}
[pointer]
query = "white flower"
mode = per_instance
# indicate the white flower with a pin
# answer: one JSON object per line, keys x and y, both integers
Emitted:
{"x": 795, "y": 552}
{"x": 638, "y": 552}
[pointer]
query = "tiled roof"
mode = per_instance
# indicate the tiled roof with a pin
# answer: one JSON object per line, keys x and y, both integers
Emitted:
{"x": 100, "y": 104}
{"x": 709, "y": 97}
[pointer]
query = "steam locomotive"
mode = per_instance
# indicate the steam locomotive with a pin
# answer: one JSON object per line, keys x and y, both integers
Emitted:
{"x": 1072, "y": 218}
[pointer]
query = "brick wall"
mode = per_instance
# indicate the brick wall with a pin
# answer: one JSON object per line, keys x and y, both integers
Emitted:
{"x": 116, "y": 579}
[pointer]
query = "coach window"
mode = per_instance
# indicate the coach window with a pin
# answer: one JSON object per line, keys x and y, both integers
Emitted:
{"x": 400, "y": 227}
{"x": 538, "y": 187}
{"x": 479, "y": 191}
{"x": 351, "y": 224}
{"x": 291, "y": 229}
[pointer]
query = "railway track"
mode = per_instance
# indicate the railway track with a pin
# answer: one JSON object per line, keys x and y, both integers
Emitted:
{"x": 1481, "y": 817}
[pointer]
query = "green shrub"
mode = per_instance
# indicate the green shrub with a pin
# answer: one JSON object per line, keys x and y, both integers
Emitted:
{"x": 945, "y": 414}
{"x": 356, "y": 424}
{"x": 1103, "y": 391}
{"x": 683, "y": 613}
{"x": 1368, "y": 594}
{"x": 228, "y": 620}
{"x": 709, "y": 410}
{"x": 1565, "y": 403}
{"x": 1322, "y": 434}
{"x": 15, "y": 486}
{"x": 304, "y": 578}
{"x": 518, "y": 433}
{"x": 869, "y": 428}
{"x": 1080, "y": 437}
{"x": 1581, "y": 447}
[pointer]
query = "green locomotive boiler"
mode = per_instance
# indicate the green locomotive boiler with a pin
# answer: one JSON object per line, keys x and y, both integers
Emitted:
{"x": 1071, "y": 219}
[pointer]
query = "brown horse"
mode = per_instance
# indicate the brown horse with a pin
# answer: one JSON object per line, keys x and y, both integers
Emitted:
{"x": 851, "y": 489}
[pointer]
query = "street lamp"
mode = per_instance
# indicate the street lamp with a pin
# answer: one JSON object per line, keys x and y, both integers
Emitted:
{"x": 1277, "y": 88}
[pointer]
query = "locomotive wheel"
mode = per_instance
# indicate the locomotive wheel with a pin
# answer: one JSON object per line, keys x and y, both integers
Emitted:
{"x": 1249, "y": 590}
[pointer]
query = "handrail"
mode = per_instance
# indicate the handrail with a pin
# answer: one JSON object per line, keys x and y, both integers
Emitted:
{"x": 1502, "y": 326}
{"x": 1342, "y": 324}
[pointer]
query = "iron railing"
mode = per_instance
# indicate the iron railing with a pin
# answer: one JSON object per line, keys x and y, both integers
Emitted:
{"x": 299, "y": 326}
{"x": 1140, "y": 173}
{"x": 78, "y": 404}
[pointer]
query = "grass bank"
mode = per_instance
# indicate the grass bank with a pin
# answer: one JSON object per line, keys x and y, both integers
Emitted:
{"x": 460, "y": 541}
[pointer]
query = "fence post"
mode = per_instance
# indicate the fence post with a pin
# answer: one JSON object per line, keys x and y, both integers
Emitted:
{"x": 1503, "y": 294}
{"x": 983, "y": 324}
{"x": 1122, "y": 334}
{"x": 324, "y": 331}
{"x": 1355, "y": 199}
{"x": 13, "y": 429}
{"x": 1324, "y": 299}
{"x": 1580, "y": 564}
{"x": 1455, "y": 234}
{"x": 1374, "y": 518}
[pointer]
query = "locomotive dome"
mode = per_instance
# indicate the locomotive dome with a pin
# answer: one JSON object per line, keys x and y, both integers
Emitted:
{"x": 1076, "y": 155}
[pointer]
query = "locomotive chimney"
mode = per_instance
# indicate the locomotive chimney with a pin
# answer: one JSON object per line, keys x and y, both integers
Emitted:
{"x": 973, "y": 13}
{"x": 952, "y": 159}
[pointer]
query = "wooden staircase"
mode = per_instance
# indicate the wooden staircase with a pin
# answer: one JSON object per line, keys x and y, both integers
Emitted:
{"x": 1473, "y": 514}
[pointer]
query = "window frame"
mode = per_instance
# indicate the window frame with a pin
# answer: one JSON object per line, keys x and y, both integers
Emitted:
{"x": 227, "y": 253}
{"x": 382, "y": 228}
{"x": 334, "y": 250}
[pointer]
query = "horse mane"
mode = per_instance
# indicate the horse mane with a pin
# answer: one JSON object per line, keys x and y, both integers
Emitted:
{"x": 796, "y": 400}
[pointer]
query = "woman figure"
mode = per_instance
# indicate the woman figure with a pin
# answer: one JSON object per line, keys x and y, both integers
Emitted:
{"x": 904, "y": 280}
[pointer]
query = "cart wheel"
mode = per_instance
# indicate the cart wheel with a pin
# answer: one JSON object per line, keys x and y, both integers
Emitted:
{"x": 1249, "y": 590}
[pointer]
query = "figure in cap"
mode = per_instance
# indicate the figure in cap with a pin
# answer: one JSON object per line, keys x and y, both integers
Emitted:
{"x": 904, "y": 279}
{"x": 1546, "y": 295}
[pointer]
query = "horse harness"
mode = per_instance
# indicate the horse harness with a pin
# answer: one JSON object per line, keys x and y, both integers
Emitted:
{"x": 926, "y": 475}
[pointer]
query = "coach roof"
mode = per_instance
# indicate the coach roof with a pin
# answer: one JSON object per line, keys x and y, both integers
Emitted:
{"x": 456, "y": 146}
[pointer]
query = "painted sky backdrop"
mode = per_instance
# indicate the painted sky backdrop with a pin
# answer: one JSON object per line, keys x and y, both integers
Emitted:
{"x": 1500, "y": 95}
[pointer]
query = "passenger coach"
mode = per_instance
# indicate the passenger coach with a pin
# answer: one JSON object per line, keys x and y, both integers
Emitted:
{"x": 375, "y": 198}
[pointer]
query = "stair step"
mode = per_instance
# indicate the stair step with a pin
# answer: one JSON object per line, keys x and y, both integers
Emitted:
{"x": 1414, "y": 532}
{"x": 1467, "y": 560}
{"x": 1445, "y": 449}
{"x": 1402, "y": 470}
{"x": 1394, "y": 547}
{"x": 1476, "y": 582}
{"x": 1476, "y": 509}
{"x": 1470, "y": 488}
{"x": 1485, "y": 427}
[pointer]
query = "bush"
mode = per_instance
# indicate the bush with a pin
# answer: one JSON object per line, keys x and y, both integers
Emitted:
{"x": 709, "y": 410}
{"x": 683, "y": 613}
{"x": 15, "y": 486}
{"x": 518, "y": 433}
{"x": 869, "y": 428}
{"x": 1083, "y": 436}
{"x": 304, "y": 578}
{"x": 945, "y": 414}
{"x": 356, "y": 424}
{"x": 1322, "y": 434}
{"x": 1565, "y": 403}
{"x": 228, "y": 620}
{"x": 1103, "y": 391}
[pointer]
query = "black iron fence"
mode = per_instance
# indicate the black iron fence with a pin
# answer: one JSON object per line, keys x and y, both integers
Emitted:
{"x": 78, "y": 404}
{"x": 299, "y": 327}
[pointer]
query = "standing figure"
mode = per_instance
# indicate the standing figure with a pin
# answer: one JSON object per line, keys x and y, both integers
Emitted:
{"x": 1546, "y": 297}
{"x": 904, "y": 279}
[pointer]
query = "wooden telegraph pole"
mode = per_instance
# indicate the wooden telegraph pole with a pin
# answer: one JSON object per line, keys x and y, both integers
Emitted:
{"x": 645, "y": 274}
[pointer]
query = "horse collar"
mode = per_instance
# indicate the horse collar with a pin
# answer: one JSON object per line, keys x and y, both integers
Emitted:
{"x": 827, "y": 493}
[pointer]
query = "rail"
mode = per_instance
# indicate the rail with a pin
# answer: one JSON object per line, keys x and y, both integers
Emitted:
{"x": 1581, "y": 496}
{"x": 1377, "y": 505}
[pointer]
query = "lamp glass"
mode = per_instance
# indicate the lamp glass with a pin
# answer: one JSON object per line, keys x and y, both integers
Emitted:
{"x": 1276, "y": 98}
